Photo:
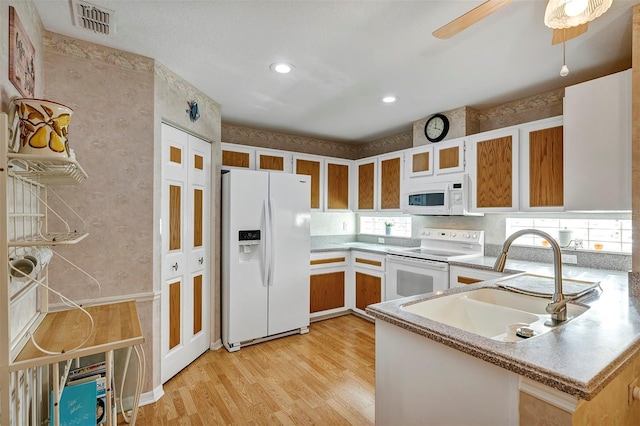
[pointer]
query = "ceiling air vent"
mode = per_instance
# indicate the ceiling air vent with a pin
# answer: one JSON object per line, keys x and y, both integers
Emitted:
{"x": 93, "y": 18}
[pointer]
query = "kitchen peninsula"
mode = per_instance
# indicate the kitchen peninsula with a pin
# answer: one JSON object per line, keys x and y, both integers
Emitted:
{"x": 577, "y": 373}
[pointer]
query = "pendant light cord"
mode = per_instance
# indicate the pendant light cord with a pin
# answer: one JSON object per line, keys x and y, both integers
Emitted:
{"x": 564, "y": 41}
{"x": 564, "y": 70}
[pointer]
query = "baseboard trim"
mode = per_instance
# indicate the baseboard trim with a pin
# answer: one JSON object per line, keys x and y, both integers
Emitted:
{"x": 549, "y": 395}
{"x": 331, "y": 315}
{"x": 151, "y": 397}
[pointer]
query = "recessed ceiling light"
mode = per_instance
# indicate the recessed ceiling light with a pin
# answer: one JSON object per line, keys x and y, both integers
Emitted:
{"x": 281, "y": 67}
{"x": 389, "y": 99}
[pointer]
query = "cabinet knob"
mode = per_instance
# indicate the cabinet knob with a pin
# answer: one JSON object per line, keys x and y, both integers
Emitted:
{"x": 175, "y": 266}
{"x": 201, "y": 260}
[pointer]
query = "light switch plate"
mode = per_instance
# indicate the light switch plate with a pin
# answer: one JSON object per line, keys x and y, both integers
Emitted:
{"x": 380, "y": 240}
{"x": 570, "y": 258}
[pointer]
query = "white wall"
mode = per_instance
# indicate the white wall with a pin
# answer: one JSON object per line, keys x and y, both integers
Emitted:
{"x": 333, "y": 223}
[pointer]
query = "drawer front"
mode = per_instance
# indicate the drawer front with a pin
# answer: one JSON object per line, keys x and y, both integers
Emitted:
{"x": 368, "y": 260}
{"x": 461, "y": 279}
{"x": 460, "y": 276}
{"x": 329, "y": 259}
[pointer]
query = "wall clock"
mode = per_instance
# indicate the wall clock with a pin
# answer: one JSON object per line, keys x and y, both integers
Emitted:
{"x": 436, "y": 127}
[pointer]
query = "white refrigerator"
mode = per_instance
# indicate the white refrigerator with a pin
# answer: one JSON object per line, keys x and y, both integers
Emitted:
{"x": 265, "y": 256}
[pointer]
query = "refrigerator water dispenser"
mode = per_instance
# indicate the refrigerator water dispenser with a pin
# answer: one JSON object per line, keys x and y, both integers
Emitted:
{"x": 248, "y": 243}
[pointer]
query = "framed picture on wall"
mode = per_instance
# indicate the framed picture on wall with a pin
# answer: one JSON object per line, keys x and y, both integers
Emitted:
{"x": 21, "y": 57}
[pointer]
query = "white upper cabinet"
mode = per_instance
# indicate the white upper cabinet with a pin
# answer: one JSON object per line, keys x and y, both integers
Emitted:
{"x": 236, "y": 156}
{"x": 366, "y": 184}
{"x": 330, "y": 181}
{"x": 492, "y": 162}
{"x": 390, "y": 169}
{"x": 337, "y": 194}
{"x": 378, "y": 182}
{"x": 597, "y": 144}
{"x": 313, "y": 166}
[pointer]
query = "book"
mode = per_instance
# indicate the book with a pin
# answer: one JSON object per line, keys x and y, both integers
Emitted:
{"x": 101, "y": 401}
{"x": 95, "y": 373}
{"x": 77, "y": 404}
{"x": 87, "y": 370}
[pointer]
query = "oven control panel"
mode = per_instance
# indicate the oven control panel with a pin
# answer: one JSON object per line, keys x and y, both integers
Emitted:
{"x": 461, "y": 235}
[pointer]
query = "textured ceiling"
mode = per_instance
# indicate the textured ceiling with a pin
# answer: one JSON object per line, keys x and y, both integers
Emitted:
{"x": 348, "y": 54}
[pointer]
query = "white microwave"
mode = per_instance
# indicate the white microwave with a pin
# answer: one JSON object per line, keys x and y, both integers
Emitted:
{"x": 444, "y": 198}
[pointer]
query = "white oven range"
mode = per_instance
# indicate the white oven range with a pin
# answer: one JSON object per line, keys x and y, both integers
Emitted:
{"x": 425, "y": 269}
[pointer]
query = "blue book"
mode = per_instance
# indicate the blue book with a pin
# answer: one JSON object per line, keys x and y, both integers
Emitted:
{"x": 77, "y": 405}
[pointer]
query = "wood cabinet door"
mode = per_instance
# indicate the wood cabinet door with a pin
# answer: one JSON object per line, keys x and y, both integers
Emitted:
{"x": 311, "y": 166}
{"x": 273, "y": 160}
{"x": 542, "y": 169}
{"x": 326, "y": 291}
{"x": 338, "y": 184}
{"x": 418, "y": 162}
{"x": 494, "y": 175}
{"x": 389, "y": 175}
{"x": 449, "y": 156}
{"x": 366, "y": 180}
{"x": 546, "y": 187}
{"x": 237, "y": 157}
{"x": 368, "y": 290}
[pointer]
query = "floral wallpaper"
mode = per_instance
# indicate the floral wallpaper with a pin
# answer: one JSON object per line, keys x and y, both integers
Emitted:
{"x": 232, "y": 133}
{"x": 241, "y": 135}
{"x": 463, "y": 121}
{"x": 120, "y": 100}
{"x": 468, "y": 121}
{"x": 545, "y": 105}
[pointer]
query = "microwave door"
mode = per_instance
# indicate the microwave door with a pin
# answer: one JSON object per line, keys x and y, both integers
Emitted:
{"x": 429, "y": 201}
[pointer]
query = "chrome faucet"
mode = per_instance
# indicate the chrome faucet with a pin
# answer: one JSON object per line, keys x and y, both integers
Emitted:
{"x": 558, "y": 306}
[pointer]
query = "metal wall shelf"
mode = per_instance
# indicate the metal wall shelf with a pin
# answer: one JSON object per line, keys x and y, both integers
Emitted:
{"x": 50, "y": 239}
{"x": 44, "y": 170}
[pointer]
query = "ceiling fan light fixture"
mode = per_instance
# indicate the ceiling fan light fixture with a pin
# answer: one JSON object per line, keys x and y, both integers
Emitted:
{"x": 574, "y": 8}
{"x": 571, "y": 13}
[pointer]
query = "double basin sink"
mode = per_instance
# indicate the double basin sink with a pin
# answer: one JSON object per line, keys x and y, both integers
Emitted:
{"x": 491, "y": 312}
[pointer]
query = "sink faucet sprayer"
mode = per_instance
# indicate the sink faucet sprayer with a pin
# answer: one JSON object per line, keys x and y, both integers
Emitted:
{"x": 557, "y": 308}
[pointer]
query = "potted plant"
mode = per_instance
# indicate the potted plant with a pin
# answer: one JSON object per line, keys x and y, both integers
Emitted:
{"x": 387, "y": 226}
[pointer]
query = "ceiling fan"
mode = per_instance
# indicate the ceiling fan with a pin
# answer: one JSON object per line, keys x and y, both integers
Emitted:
{"x": 487, "y": 8}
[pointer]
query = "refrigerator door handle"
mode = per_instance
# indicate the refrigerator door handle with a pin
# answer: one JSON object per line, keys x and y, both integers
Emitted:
{"x": 270, "y": 243}
{"x": 266, "y": 249}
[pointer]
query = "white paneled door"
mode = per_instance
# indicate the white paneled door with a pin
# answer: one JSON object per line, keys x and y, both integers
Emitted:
{"x": 185, "y": 236}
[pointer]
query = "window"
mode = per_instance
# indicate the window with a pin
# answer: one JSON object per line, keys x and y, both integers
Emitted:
{"x": 376, "y": 225}
{"x": 590, "y": 234}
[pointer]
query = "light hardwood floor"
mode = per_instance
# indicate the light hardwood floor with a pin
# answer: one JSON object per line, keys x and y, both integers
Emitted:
{"x": 325, "y": 377}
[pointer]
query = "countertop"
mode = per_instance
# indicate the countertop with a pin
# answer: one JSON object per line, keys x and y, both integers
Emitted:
{"x": 353, "y": 245}
{"x": 513, "y": 266}
{"x": 579, "y": 358}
